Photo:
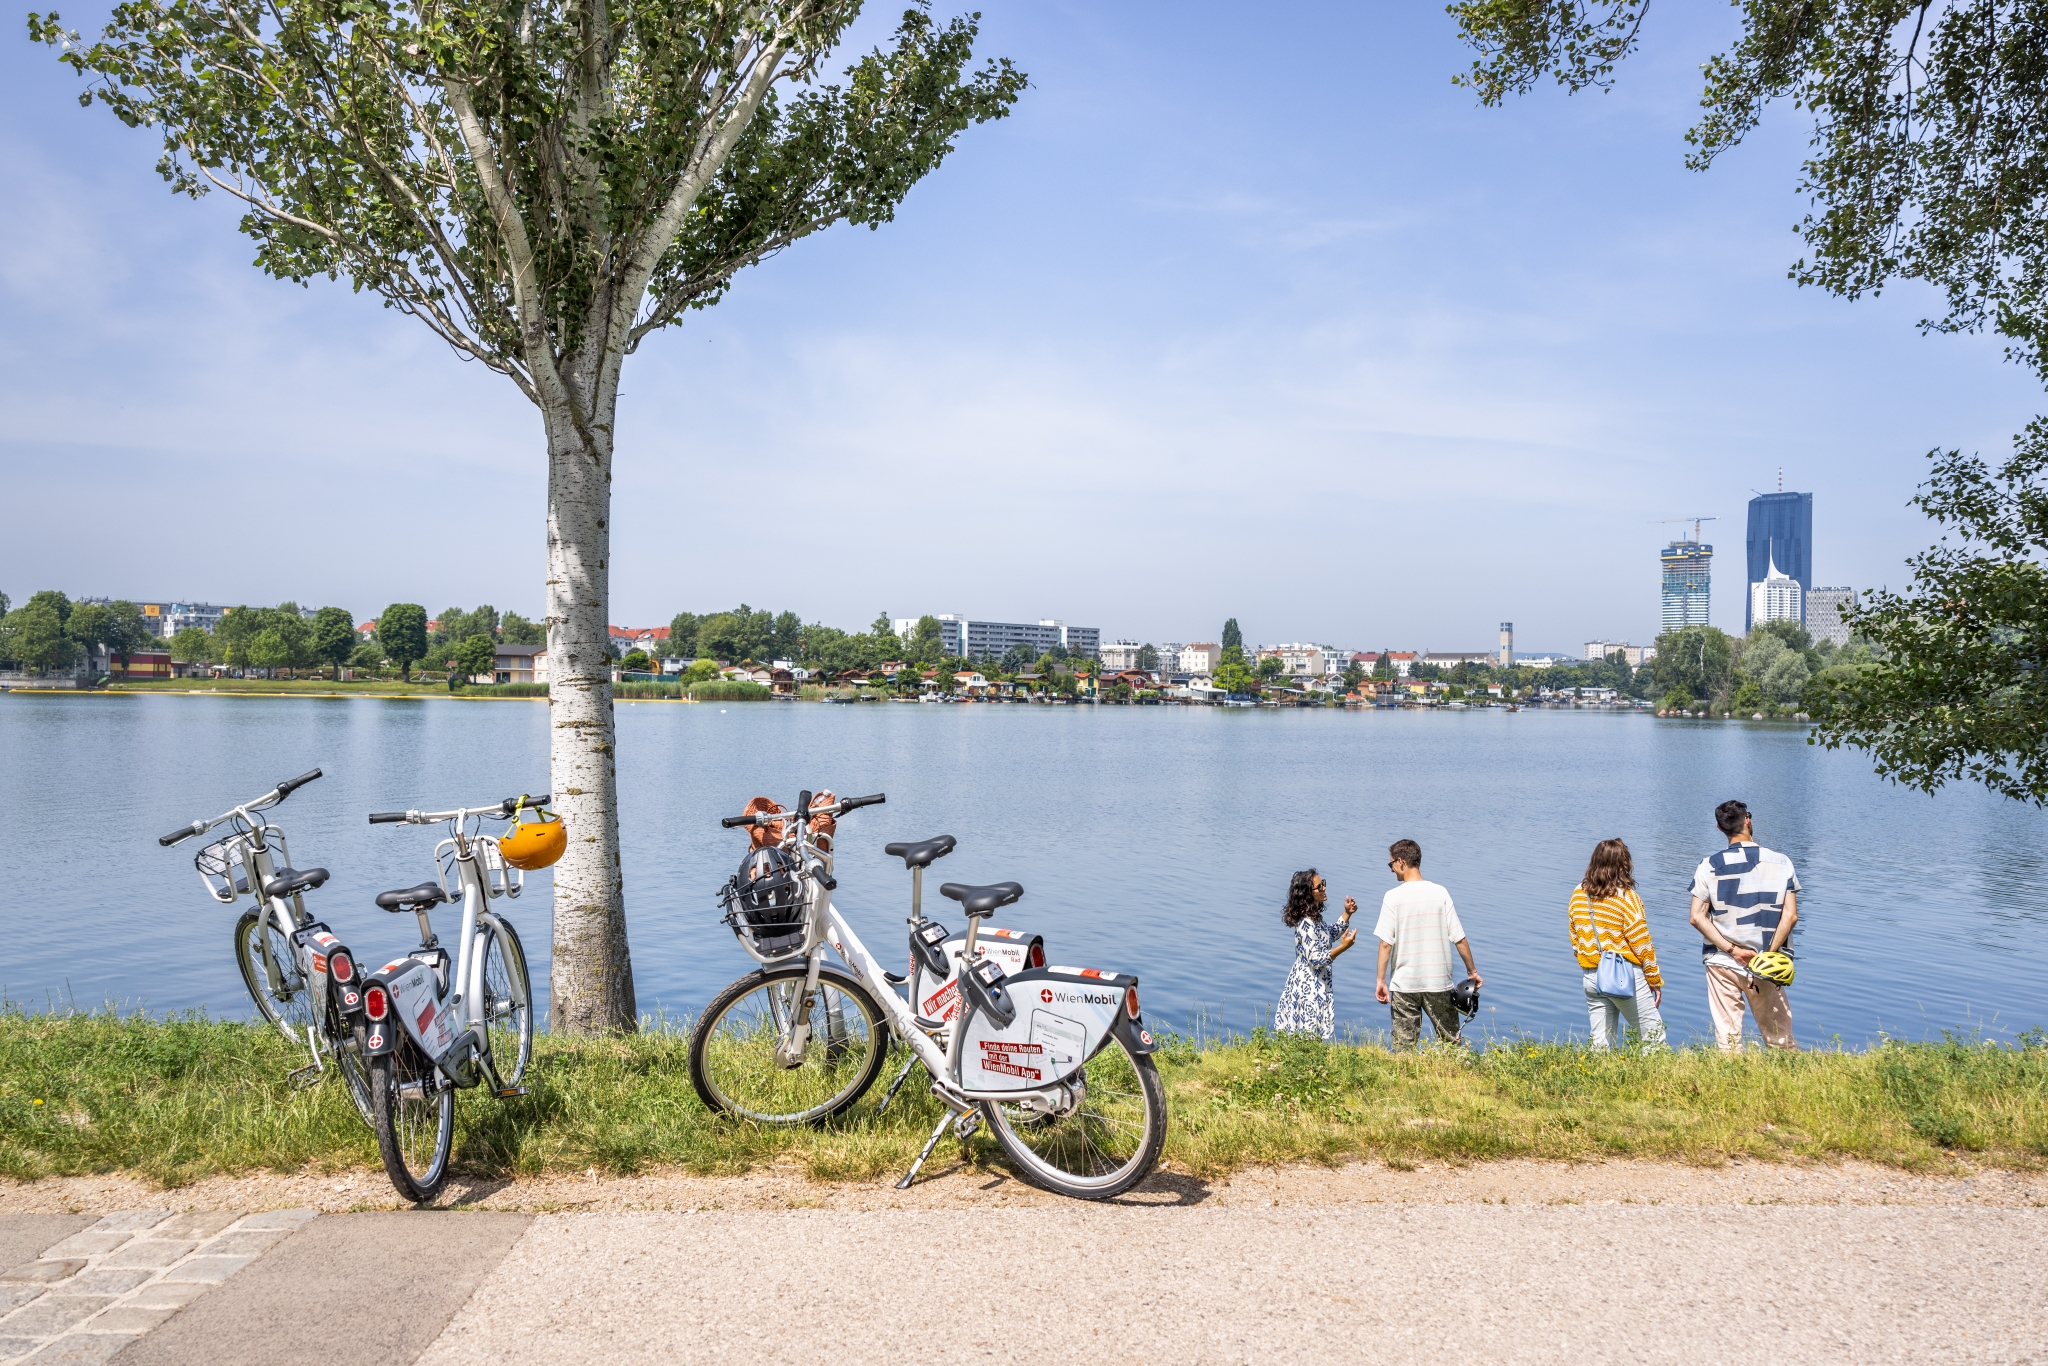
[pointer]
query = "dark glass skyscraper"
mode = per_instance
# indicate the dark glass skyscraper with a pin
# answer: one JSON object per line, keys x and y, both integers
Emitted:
{"x": 1780, "y": 530}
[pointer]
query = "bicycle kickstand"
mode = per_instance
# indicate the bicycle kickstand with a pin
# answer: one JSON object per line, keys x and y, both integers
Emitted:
{"x": 929, "y": 1144}
{"x": 897, "y": 1085}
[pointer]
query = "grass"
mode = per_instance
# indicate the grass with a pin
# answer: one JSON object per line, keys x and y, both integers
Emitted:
{"x": 180, "y": 1098}
{"x": 314, "y": 686}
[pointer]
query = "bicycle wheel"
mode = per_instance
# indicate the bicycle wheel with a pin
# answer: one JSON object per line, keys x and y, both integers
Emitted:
{"x": 733, "y": 1062}
{"x": 286, "y": 999}
{"x": 1106, "y": 1145}
{"x": 355, "y": 1072}
{"x": 508, "y": 999}
{"x": 415, "y": 1121}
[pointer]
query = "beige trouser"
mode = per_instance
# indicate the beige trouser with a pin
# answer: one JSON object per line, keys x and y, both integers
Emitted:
{"x": 1729, "y": 991}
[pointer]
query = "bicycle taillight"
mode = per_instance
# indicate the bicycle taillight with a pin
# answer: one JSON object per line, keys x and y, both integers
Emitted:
{"x": 1038, "y": 955}
{"x": 1131, "y": 1001}
{"x": 341, "y": 967}
{"x": 376, "y": 1003}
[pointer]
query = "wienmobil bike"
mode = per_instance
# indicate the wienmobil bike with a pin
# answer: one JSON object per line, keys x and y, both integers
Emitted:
{"x": 1056, "y": 1060}
{"x": 434, "y": 1026}
{"x": 299, "y": 973}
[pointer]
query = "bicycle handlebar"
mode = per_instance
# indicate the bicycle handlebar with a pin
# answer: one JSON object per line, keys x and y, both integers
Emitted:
{"x": 838, "y": 808}
{"x": 506, "y": 809}
{"x": 276, "y": 794}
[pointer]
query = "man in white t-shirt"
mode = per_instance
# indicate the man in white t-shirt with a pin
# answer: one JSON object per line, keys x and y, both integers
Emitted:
{"x": 1417, "y": 930}
{"x": 1745, "y": 899}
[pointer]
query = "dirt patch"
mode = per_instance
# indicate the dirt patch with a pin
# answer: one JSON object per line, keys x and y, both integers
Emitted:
{"x": 961, "y": 1187}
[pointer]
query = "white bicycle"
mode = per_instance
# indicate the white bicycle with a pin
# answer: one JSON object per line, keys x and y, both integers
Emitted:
{"x": 1056, "y": 1060}
{"x": 435, "y": 1026}
{"x": 300, "y": 975}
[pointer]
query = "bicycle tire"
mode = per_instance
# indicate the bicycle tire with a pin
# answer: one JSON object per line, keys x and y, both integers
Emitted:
{"x": 1067, "y": 1155}
{"x": 355, "y": 1072}
{"x": 415, "y": 1121}
{"x": 508, "y": 1000}
{"x": 733, "y": 1044}
{"x": 291, "y": 1010}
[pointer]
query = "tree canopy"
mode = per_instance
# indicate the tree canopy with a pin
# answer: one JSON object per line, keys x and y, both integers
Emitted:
{"x": 402, "y": 632}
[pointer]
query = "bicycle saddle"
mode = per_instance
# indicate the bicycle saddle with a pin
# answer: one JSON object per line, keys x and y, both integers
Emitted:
{"x": 412, "y": 898}
{"x": 289, "y": 880}
{"x": 920, "y": 853}
{"x": 982, "y": 900}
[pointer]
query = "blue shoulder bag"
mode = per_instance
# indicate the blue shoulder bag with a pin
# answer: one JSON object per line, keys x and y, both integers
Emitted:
{"x": 1616, "y": 976}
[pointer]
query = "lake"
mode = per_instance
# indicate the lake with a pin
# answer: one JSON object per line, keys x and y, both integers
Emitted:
{"x": 1155, "y": 840}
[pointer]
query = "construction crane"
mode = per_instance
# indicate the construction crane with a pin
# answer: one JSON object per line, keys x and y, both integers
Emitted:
{"x": 1696, "y": 521}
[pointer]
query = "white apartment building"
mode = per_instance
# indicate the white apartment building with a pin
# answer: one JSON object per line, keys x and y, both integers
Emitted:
{"x": 1305, "y": 661}
{"x": 1118, "y": 655}
{"x": 1824, "y": 609}
{"x": 1200, "y": 658}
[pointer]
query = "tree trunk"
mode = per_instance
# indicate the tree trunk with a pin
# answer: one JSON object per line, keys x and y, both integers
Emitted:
{"x": 591, "y": 988}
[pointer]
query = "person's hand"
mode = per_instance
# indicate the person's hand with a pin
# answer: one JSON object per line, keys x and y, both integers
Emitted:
{"x": 1350, "y": 937}
{"x": 1350, "y": 907}
{"x": 1740, "y": 954}
{"x": 1477, "y": 981}
{"x": 1379, "y": 993}
{"x": 1657, "y": 997}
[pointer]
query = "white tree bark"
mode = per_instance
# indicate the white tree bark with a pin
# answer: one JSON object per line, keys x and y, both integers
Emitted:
{"x": 591, "y": 985}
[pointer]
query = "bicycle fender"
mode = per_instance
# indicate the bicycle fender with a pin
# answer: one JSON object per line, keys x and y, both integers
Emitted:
{"x": 315, "y": 945}
{"x": 936, "y": 990}
{"x": 416, "y": 1001}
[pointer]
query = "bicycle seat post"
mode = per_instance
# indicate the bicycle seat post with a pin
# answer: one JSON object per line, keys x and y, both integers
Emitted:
{"x": 917, "y": 895}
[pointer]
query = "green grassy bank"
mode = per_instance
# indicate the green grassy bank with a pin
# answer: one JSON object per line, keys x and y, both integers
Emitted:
{"x": 182, "y": 1098}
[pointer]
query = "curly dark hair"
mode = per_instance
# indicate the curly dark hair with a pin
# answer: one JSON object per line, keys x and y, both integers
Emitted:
{"x": 1301, "y": 899}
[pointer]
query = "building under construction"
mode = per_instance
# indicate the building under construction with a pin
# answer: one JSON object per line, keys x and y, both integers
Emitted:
{"x": 1688, "y": 583}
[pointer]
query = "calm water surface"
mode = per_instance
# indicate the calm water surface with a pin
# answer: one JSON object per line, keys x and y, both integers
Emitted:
{"x": 1157, "y": 840}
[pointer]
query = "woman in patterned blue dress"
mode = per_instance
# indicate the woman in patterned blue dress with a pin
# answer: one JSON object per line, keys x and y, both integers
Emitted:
{"x": 1307, "y": 1003}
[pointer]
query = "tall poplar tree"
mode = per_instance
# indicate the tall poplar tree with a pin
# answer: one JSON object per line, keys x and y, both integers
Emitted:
{"x": 544, "y": 185}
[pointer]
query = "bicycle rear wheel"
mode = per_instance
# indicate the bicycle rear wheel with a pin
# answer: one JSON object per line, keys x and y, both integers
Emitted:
{"x": 355, "y": 1073}
{"x": 415, "y": 1121}
{"x": 733, "y": 1049}
{"x": 1106, "y": 1145}
{"x": 508, "y": 999}
{"x": 285, "y": 999}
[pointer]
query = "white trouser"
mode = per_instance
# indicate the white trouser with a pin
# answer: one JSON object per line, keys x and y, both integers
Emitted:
{"x": 1607, "y": 1012}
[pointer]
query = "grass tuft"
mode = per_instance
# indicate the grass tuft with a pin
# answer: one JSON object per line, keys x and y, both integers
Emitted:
{"x": 183, "y": 1097}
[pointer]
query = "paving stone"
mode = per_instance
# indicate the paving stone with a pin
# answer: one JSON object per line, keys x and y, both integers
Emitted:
{"x": 12, "y": 1297}
{"x": 52, "y": 1314}
{"x": 46, "y": 1272}
{"x": 81, "y": 1349}
{"x": 208, "y": 1269}
{"x": 169, "y": 1294}
{"x": 16, "y": 1347}
{"x": 89, "y": 1243}
{"x": 130, "y": 1318}
{"x": 130, "y": 1221}
{"x": 105, "y": 1282}
{"x": 250, "y": 1243}
{"x": 278, "y": 1218}
{"x": 200, "y": 1223}
{"x": 153, "y": 1253}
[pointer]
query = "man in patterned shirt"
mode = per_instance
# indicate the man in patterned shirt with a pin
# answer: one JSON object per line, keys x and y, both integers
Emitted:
{"x": 1745, "y": 900}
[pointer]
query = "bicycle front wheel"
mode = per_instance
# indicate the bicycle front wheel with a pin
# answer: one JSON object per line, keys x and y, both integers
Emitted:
{"x": 415, "y": 1121}
{"x": 508, "y": 999}
{"x": 275, "y": 983}
{"x": 738, "y": 1062}
{"x": 1106, "y": 1145}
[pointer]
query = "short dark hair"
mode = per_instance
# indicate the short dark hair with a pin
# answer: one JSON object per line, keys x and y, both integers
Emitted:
{"x": 1405, "y": 851}
{"x": 1730, "y": 815}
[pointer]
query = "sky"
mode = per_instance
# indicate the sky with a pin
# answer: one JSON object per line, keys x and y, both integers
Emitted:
{"x": 1229, "y": 319}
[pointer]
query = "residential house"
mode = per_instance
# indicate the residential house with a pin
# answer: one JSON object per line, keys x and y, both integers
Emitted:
{"x": 971, "y": 682}
{"x": 520, "y": 664}
{"x": 1120, "y": 654}
{"x": 1200, "y": 658}
{"x": 1304, "y": 661}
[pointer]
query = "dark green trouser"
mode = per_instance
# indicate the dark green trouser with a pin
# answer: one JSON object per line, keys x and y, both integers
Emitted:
{"x": 1408, "y": 1009}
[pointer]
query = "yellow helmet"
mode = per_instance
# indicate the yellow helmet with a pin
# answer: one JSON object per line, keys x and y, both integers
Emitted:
{"x": 1773, "y": 966}
{"x": 536, "y": 843}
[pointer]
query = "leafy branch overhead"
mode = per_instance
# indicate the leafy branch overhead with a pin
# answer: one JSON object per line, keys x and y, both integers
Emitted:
{"x": 1929, "y": 149}
{"x": 536, "y": 181}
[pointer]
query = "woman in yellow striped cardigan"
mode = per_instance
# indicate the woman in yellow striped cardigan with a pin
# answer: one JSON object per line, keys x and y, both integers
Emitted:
{"x": 1606, "y": 914}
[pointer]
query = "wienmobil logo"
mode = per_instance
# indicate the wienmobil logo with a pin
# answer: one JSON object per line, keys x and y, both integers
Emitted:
{"x": 1075, "y": 998}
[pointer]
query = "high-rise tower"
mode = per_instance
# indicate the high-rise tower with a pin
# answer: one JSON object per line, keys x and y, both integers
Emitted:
{"x": 1507, "y": 645}
{"x": 1781, "y": 534}
{"x": 1688, "y": 583}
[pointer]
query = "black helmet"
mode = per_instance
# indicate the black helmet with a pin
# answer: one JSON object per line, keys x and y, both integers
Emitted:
{"x": 766, "y": 887}
{"x": 1465, "y": 996}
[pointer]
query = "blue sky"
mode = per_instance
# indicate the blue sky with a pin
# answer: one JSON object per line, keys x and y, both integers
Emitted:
{"x": 1231, "y": 318}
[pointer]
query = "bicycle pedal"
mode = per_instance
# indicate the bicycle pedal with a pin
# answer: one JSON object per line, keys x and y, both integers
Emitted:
{"x": 510, "y": 1092}
{"x": 306, "y": 1076}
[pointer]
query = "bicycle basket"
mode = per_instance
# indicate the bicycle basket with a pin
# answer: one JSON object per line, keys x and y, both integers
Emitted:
{"x": 764, "y": 902}
{"x": 224, "y": 868}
